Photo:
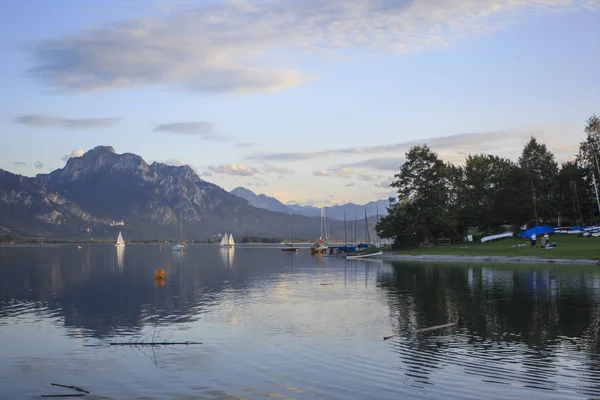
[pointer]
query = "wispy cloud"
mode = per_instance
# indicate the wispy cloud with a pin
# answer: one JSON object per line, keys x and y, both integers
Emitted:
{"x": 239, "y": 46}
{"x": 245, "y": 144}
{"x": 341, "y": 172}
{"x": 385, "y": 184}
{"x": 207, "y": 174}
{"x": 48, "y": 121}
{"x": 278, "y": 170}
{"x": 74, "y": 153}
{"x": 380, "y": 164}
{"x": 451, "y": 148}
{"x": 233, "y": 169}
{"x": 205, "y": 130}
{"x": 187, "y": 128}
{"x": 38, "y": 164}
{"x": 350, "y": 184}
{"x": 367, "y": 178}
{"x": 19, "y": 163}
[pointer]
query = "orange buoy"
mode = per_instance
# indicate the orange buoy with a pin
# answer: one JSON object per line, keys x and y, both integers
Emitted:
{"x": 159, "y": 273}
{"x": 159, "y": 282}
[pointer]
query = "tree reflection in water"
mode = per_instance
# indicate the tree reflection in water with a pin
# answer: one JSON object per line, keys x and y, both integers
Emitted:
{"x": 529, "y": 324}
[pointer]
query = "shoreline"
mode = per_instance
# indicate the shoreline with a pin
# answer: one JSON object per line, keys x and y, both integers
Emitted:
{"x": 502, "y": 259}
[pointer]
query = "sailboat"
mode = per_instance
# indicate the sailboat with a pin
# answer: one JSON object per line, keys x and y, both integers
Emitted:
{"x": 181, "y": 246}
{"x": 289, "y": 245}
{"x": 227, "y": 241}
{"x": 321, "y": 245}
{"x": 120, "y": 241}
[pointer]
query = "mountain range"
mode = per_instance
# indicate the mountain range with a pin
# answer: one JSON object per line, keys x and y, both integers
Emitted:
{"x": 350, "y": 210}
{"x": 97, "y": 192}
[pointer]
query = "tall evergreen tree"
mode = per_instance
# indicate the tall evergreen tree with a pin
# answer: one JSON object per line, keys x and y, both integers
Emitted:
{"x": 542, "y": 169}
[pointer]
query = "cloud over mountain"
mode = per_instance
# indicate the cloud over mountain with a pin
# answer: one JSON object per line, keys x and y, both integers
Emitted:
{"x": 233, "y": 169}
{"x": 241, "y": 46}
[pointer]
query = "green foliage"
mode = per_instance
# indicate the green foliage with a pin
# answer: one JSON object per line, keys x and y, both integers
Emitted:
{"x": 424, "y": 189}
{"x": 541, "y": 168}
{"x": 438, "y": 200}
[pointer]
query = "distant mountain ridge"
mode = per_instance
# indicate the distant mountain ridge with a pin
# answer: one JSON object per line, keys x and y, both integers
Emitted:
{"x": 91, "y": 193}
{"x": 335, "y": 212}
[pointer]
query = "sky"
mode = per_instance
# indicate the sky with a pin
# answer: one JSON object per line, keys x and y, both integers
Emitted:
{"x": 303, "y": 100}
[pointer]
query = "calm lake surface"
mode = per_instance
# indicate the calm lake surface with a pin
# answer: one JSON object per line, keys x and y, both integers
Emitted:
{"x": 280, "y": 325}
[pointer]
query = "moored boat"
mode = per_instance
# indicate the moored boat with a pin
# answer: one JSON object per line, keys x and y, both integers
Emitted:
{"x": 120, "y": 241}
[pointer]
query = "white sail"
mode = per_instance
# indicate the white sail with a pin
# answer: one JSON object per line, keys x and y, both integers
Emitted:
{"x": 120, "y": 241}
{"x": 230, "y": 241}
{"x": 224, "y": 241}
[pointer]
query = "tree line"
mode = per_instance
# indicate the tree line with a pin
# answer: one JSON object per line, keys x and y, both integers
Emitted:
{"x": 489, "y": 194}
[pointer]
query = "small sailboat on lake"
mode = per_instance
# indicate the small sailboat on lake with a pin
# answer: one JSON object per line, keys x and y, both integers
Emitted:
{"x": 321, "y": 246}
{"x": 227, "y": 241}
{"x": 120, "y": 241}
{"x": 289, "y": 246}
{"x": 181, "y": 246}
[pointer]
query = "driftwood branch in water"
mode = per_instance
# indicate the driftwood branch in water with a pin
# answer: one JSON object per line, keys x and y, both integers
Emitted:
{"x": 132, "y": 343}
{"x": 431, "y": 328}
{"x": 77, "y": 388}
{"x": 64, "y": 395}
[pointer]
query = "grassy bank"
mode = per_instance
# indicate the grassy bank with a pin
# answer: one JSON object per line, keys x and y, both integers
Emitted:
{"x": 567, "y": 247}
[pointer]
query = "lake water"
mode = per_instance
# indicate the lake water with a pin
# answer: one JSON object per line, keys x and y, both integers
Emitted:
{"x": 279, "y": 325}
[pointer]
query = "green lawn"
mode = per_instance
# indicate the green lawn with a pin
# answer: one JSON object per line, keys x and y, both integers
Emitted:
{"x": 566, "y": 247}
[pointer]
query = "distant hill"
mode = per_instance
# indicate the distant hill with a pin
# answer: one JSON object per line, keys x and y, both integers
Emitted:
{"x": 93, "y": 193}
{"x": 262, "y": 201}
{"x": 334, "y": 212}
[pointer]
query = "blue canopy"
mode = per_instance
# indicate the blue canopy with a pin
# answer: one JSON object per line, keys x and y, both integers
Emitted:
{"x": 538, "y": 230}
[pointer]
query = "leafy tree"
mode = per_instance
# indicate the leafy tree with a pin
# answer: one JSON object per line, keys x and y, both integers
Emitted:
{"x": 494, "y": 193}
{"x": 541, "y": 168}
{"x": 575, "y": 194}
{"x": 423, "y": 211}
{"x": 589, "y": 149}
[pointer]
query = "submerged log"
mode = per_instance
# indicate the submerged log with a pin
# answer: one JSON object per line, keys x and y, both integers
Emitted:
{"x": 152, "y": 343}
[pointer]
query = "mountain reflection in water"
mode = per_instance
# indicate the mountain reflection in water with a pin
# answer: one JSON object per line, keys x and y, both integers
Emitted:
{"x": 293, "y": 325}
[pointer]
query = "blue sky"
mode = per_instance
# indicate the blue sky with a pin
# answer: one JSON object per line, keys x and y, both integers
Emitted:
{"x": 303, "y": 100}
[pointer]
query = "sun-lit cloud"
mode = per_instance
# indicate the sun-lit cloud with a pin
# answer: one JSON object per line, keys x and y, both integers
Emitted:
{"x": 175, "y": 161}
{"x": 74, "y": 153}
{"x": 341, "y": 172}
{"x": 49, "y": 121}
{"x": 452, "y": 148}
{"x": 278, "y": 169}
{"x": 233, "y": 169}
{"x": 241, "y": 46}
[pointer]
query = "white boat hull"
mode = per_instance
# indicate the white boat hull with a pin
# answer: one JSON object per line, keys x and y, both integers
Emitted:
{"x": 365, "y": 255}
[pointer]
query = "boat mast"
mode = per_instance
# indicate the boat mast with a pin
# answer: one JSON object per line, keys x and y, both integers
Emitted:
{"x": 355, "y": 237}
{"x": 291, "y": 228}
{"x": 321, "y": 237}
{"x": 345, "y": 230}
{"x": 378, "y": 239}
{"x": 325, "y": 225}
{"x": 596, "y": 190}
{"x": 534, "y": 202}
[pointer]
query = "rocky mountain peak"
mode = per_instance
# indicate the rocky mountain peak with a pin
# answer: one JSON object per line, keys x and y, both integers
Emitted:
{"x": 99, "y": 150}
